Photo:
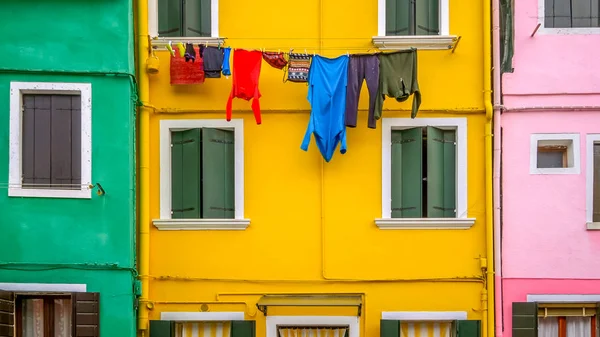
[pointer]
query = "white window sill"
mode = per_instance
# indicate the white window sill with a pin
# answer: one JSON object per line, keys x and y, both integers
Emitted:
{"x": 201, "y": 224}
{"x": 429, "y": 42}
{"x": 47, "y": 193}
{"x": 160, "y": 43}
{"x": 593, "y": 226}
{"x": 425, "y": 223}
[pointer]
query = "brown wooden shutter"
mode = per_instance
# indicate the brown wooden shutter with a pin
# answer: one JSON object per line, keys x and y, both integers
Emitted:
{"x": 7, "y": 314}
{"x": 86, "y": 314}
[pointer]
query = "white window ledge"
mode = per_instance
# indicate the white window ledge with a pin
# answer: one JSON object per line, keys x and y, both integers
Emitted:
{"x": 201, "y": 224}
{"x": 160, "y": 43}
{"x": 425, "y": 223}
{"x": 429, "y": 42}
{"x": 593, "y": 226}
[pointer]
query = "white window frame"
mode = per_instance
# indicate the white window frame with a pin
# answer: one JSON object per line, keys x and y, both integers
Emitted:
{"x": 153, "y": 23}
{"x": 559, "y": 138}
{"x": 444, "y": 19}
{"x": 560, "y": 31}
{"x": 17, "y": 89}
{"x": 193, "y": 316}
{"x": 166, "y": 222}
{"x": 351, "y": 321}
{"x": 591, "y": 139}
{"x": 424, "y": 315}
{"x": 461, "y": 221}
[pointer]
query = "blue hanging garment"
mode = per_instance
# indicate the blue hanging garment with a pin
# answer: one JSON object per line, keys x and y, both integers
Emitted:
{"x": 327, "y": 80}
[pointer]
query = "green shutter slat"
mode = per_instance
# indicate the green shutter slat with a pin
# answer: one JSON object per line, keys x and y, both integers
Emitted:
{"x": 468, "y": 328}
{"x": 186, "y": 201}
{"x": 170, "y": 17}
{"x": 407, "y": 173}
{"x": 524, "y": 319}
{"x": 218, "y": 179}
{"x": 162, "y": 328}
{"x": 397, "y": 17}
{"x": 441, "y": 171}
{"x": 427, "y": 18}
{"x": 197, "y": 18}
{"x": 243, "y": 328}
{"x": 389, "y": 328}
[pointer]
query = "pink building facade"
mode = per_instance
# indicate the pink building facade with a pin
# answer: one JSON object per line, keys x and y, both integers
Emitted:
{"x": 550, "y": 173}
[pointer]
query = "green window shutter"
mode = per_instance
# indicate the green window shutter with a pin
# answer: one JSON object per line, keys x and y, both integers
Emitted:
{"x": 468, "y": 328}
{"x": 197, "y": 18}
{"x": 407, "y": 173}
{"x": 428, "y": 17}
{"x": 185, "y": 174}
{"x": 218, "y": 174}
{"x": 389, "y": 328}
{"x": 243, "y": 328}
{"x": 397, "y": 17}
{"x": 524, "y": 319}
{"x": 441, "y": 173}
{"x": 162, "y": 328}
{"x": 169, "y": 17}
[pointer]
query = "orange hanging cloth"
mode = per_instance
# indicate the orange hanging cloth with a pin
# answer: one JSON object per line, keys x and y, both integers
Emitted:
{"x": 246, "y": 70}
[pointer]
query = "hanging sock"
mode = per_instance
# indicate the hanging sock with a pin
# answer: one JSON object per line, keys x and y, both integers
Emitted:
{"x": 246, "y": 70}
{"x": 190, "y": 53}
{"x": 398, "y": 79}
{"x": 226, "y": 54}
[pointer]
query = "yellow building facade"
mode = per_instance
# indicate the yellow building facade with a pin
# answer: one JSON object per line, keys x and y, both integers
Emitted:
{"x": 304, "y": 247}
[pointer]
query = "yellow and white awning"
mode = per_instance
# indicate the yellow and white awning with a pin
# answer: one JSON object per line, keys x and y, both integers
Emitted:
{"x": 425, "y": 329}
{"x": 312, "y": 331}
{"x": 203, "y": 329}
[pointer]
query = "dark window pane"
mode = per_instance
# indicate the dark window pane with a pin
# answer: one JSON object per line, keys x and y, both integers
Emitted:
{"x": 550, "y": 159}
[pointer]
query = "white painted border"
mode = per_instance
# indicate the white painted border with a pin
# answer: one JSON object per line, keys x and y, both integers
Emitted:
{"x": 202, "y": 316}
{"x": 458, "y": 124}
{"x": 575, "y": 148}
{"x": 44, "y": 287}
{"x": 562, "y": 298}
{"x": 560, "y": 31}
{"x": 444, "y": 18}
{"x": 166, "y": 126}
{"x": 17, "y": 89}
{"x": 424, "y": 315}
{"x": 153, "y": 20}
{"x": 351, "y": 321}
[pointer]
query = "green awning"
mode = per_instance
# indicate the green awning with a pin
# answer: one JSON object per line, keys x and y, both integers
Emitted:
{"x": 309, "y": 301}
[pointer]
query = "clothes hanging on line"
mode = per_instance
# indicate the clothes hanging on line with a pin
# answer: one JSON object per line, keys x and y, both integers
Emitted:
{"x": 398, "y": 79}
{"x": 298, "y": 67}
{"x": 183, "y": 72}
{"x": 327, "y": 82}
{"x": 226, "y": 55}
{"x": 213, "y": 61}
{"x": 246, "y": 71}
{"x": 275, "y": 60}
{"x": 361, "y": 67}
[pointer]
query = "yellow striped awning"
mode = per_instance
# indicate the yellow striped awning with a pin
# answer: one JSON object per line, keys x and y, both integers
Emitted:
{"x": 425, "y": 329}
{"x": 203, "y": 329}
{"x": 310, "y": 331}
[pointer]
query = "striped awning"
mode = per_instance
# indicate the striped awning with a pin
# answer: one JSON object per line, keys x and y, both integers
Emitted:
{"x": 203, "y": 329}
{"x": 425, "y": 329}
{"x": 310, "y": 331}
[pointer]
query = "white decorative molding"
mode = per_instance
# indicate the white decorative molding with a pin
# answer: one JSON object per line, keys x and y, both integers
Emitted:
{"x": 590, "y": 140}
{"x": 571, "y": 140}
{"x": 153, "y": 21}
{"x": 43, "y": 287}
{"x": 425, "y": 223}
{"x": 560, "y": 31}
{"x": 15, "y": 171}
{"x": 444, "y": 17}
{"x": 428, "y": 42}
{"x": 563, "y": 298}
{"x": 200, "y": 224}
{"x": 351, "y": 321}
{"x": 424, "y": 315}
{"x": 592, "y": 226}
{"x": 202, "y": 316}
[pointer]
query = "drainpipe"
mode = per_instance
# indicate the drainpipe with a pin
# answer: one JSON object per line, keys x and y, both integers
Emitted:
{"x": 144, "y": 152}
{"x": 496, "y": 161}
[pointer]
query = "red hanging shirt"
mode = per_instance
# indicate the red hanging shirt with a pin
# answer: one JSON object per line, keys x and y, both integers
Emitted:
{"x": 246, "y": 70}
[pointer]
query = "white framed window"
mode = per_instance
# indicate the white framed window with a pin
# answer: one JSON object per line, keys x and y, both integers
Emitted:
{"x": 50, "y": 150}
{"x": 565, "y": 17}
{"x": 343, "y": 326}
{"x": 187, "y": 19}
{"x": 424, "y": 174}
{"x": 592, "y": 181}
{"x": 554, "y": 153}
{"x": 202, "y": 175}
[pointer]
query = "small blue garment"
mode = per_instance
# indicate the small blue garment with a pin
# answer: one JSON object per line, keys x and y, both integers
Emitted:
{"x": 226, "y": 70}
{"x": 327, "y": 81}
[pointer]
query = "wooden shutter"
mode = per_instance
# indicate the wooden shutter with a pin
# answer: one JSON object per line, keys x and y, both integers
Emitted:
{"x": 524, "y": 319}
{"x": 468, "y": 328}
{"x": 441, "y": 173}
{"x": 36, "y": 139}
{"x": 428, "y": 17}
{"x": 243, "y": 328}
{"x": 389, "y": 328}
{"x": 86, "y": 314}
{"x": 218, "y": 166}
{"x": 407, "y": 173}
{"x": 397, "y": 17}
{"x": 186, "y": 202}
{"x": 62, "y": 143}
{"x": 170, "y": 17}
{"x": 7, "y": 314}
{"x": 197, "y": 18}
{"x": 162, "y": 328}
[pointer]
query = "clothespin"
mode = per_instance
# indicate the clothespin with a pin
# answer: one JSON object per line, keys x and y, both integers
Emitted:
{"x": 181, "y": 49}
{"x": 219, "y": 45}
{"x": 170, "y": 49}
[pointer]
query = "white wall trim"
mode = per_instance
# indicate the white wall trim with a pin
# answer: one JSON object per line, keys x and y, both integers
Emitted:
{"x": 202, "y": 316}
{"x": 201, "y": 224}
{"x": 444, "y": 17}
{"x": 562, "y": 298}
{"x": 458, "y": 124}
{"x": 17, "y": 89}
{"x": 351, "y": 321}
{"x": 573, "y": 153}
{"x": 44, "y": 287}
{"x": 425, "y": 223}
{"x": 424, "y": 315}
{"x": 237, "y": 125}
{"x": 590, "y": 139}
{"x": 153, "y": 20}
{"x": 560, "y": 31}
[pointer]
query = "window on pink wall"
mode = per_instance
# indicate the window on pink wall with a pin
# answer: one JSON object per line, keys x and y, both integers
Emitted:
{"x": 571, "y": 13}
{"x": 596, "y": 190}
